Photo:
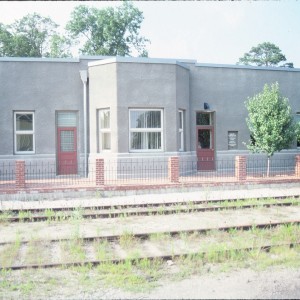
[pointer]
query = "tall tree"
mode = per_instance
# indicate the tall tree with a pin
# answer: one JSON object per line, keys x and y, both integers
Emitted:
{"x": 109, "y": 31}
{"x": 265, "y": 54}
{"x": 31, "y": 36}
{"x": 270, "y": 122}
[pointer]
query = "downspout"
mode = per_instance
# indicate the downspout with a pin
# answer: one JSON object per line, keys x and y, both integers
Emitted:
{"x": 83, "y": 75}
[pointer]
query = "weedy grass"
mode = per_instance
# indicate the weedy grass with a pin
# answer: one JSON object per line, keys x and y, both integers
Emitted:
{"x": 77, "y": 214}
{"x": 126, "y": 275}
{"x": 73, "y": 249}
{"x": 159, "y": 237}
{"x": 10, "y": 252}
{"x": 50, "y": 215}
{"x": 36, "y": 252}
{"x": 127, "y": 240}
{"x": 102, "y": 249}
{"x": 23, "y": 215}
{"x": 5, "y": 216}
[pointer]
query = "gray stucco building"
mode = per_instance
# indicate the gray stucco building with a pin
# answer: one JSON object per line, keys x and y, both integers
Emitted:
{"x": 69, "y": 111}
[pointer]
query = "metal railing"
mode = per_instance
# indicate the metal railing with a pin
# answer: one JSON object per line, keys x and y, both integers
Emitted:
{"x": 135, "y": 171}
{"x": 278, "y": 167}
{"x": 7, "y": 174}
{"x": 147, "y": 171}
{"x": 45, "y": 174}
{"x": 194, "y": 171}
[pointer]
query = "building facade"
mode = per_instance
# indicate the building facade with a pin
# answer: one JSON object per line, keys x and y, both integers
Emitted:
{"x": 71, "y": 111}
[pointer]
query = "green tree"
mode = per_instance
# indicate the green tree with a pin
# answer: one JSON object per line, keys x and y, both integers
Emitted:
{"x": 32, "y": 36}
{"x": 59, "y": 47}
{"x": 109, "y": 31}
{"x": 270, "y": 122}
{"x": 265, "y": 54}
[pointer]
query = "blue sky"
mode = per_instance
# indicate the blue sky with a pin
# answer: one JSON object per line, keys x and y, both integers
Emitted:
{"x": 208, "y": 31}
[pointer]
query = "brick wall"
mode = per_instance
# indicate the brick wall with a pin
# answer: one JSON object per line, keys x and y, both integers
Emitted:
{"x": 173, "y": 169}
{"x": 240, "y": 168}
{"x": 297, "y": 165}
{"x": 99, "y": 172}
{"x": 20, "y": 174}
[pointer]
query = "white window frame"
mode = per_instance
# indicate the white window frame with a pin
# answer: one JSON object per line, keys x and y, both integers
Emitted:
{"x": 104, "y": 130}
{"x": 160, "y": 130}
{"x": 23, "y": 132}
{"x": 181, "y": 130}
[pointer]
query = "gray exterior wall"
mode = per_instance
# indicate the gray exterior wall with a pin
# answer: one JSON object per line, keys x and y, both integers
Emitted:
{"x": 226, "y": 88}
{"x": 46, "y": 86}
{"x": 42, "y": 87}
{"x": 102, "y": 94}
{"x": 122, "y": 85}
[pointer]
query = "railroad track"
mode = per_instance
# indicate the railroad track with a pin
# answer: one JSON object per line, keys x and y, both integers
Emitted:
{"x": 135, "y": 247}
{"x": 115, "y": 211}
{"x": 159, "y": 245}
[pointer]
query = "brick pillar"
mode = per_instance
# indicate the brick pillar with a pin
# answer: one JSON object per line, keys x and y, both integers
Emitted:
{"x": 173, "y": 169}
{"x": 99, "y": 171}
{"x": 297, "y": 165}
{"x": 240, "y": 168}
{"x": 20, "y": 174}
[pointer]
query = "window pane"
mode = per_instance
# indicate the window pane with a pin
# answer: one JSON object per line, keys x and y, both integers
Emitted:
{"x": 105, "y": 141}
{"x": 145, "y": 119}
{"x": 153, "y": 119}
{"x": 24, "y": 142}
{"x": 145, "y": 140}
{"x": 66, "y": 119}
{"x": 204, "y": 139}
{"x": 24, "y": 122}
{"x": 67, "y": 141}
{"x": 203, "y": 119}
{"x": 180, "y": 120}
{"x": 105, "y": 119}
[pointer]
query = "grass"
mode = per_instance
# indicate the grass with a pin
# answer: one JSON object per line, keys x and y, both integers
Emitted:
{"x": 4, "y": 217}
{"x": 73, "y": 249}
{"x": 139, "y": 275}
{"x": 135, "y": 274}
{"x": 23, "y": 215}
{"x": 10, "y": 252}
{"x": 102, "y": 249}
{"x": 127, "y": 240}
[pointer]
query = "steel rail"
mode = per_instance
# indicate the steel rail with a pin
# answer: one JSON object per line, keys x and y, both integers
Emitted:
{"x": 167, "y": 211}
{"x": 266, "y": 248}
{"x": 140, "y": 205}
{"x": 146, "y": 235}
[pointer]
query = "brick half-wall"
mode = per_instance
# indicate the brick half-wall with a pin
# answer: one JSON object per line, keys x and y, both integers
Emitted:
{"x": 297, "y": 166}
{"x": 99, "y": 172}
{"x": 20, "y": 174}
{"x": 241, "y": 168}
{"x": 173, "y": 169}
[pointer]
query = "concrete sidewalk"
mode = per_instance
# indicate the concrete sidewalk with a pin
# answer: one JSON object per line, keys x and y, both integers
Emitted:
{"x": 204, "y": 194}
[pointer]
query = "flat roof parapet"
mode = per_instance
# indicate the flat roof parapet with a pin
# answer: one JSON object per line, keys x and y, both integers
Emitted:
{"x": 144, "y": 60}
{"x": 228, "y": 66}
{"x": 39, "y": 59}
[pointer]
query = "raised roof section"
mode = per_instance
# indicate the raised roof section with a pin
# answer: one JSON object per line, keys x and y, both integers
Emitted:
{"x": 144, "y": 60}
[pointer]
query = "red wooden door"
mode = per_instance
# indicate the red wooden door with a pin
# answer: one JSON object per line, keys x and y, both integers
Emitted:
{"x": 205, "y": 148}
{"x": 67, "y": 150}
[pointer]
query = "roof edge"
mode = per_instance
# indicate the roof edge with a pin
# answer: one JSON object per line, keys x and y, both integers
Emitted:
{"x": 246, "y": 67}
{"x": 144, "y": 60}
{"x": 39, "y": 59}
